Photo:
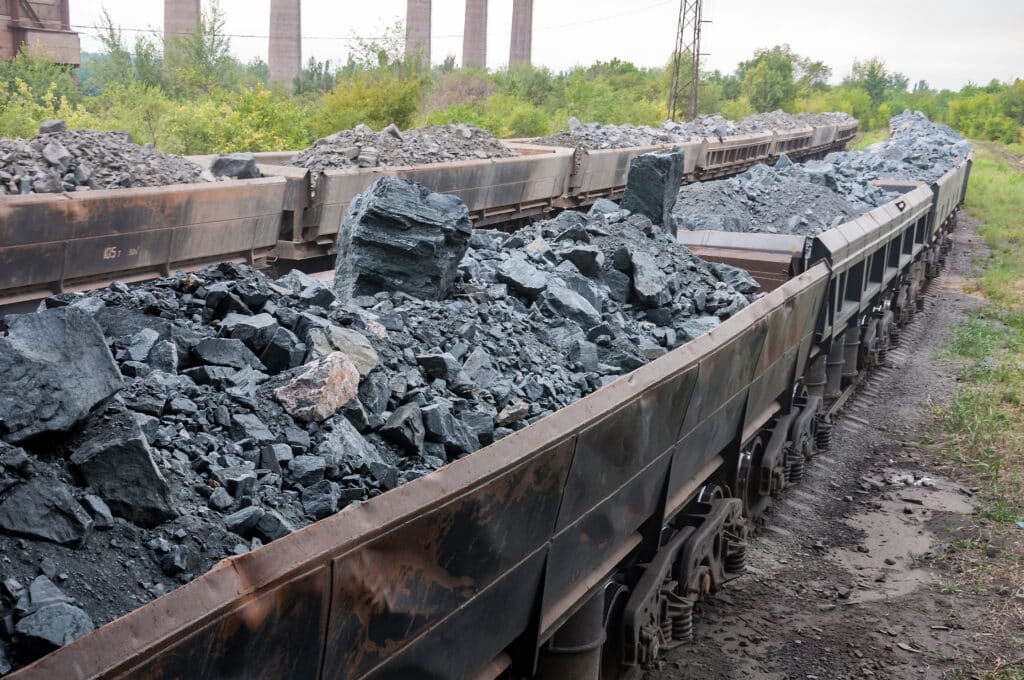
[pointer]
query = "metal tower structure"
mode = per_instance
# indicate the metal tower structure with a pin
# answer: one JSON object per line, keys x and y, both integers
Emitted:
{"x": 686, "y": 60}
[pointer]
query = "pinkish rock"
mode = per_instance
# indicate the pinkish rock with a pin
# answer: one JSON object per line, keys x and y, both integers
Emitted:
{"x": 325, "y": 386}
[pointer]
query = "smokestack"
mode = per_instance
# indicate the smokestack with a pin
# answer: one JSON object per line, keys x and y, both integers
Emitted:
{"x": 417, "y": 29}
{"x": 285, "y": 55}
{"x": 522, "y": 32}
{"x": 474, "y": 37}
{"x": 180, "y": 18}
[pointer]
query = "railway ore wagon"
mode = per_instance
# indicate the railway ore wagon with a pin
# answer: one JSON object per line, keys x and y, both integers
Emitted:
{"x": 575, "y": 547}
{"x": 55, "y": 243}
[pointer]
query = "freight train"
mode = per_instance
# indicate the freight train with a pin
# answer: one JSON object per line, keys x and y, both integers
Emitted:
{"x": 53, "y": 243}
{"x": 577, "y": 547}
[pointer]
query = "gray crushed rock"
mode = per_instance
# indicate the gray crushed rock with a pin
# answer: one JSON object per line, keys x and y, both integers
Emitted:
{"x": 712, "y": 125}
{"x": 59, "y": 160}
{"x": 808, "y": 198}
{"x": 197, "y": 458}
{"x": 362, "y": 147}
{"x": 596, "y": 136}
{"x": 825, "y": 118}
{"x": 917, "y": 149}
{"x": 761, "y": 200}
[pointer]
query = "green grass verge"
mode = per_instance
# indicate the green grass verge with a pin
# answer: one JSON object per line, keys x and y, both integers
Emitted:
{"x": 986, "y": 419}
{"x": 863, "y": 140}
{"x": 984, "y": 425}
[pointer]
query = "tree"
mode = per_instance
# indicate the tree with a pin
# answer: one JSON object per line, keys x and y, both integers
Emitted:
{"x": 201, "y": 60}
{"x": 1013, "y": 101}
{"x": 536, "y": 85}
{"x": 316, "y": 77}
{"x": 448, "y": 65}
{"x": 386, "y": 52}
{"x": 768, "y": 80}
{"x": 876, "y": 79}
{"x": 43, "y": 78}
{"x": 119, "y": 65}
{"x": 115, "y": 64}
{"x": 811, "y": 76}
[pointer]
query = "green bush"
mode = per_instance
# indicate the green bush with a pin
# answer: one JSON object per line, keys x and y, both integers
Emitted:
{"x": 981, "y": 115}
{"x": 44, "y": 78}
{"x": 376, "y": 99}
{"x": 195, "y": 98}
{"x": 502, "y": 115}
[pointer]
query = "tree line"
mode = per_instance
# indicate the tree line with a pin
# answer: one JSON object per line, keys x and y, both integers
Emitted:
{"x": 191, "y": 96}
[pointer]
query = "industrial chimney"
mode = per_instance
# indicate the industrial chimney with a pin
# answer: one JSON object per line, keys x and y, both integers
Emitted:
{"x": 522, "y": 32}
{"x": 474, "y": 37}
{"x": 417, "y": 29}
{"x": 180, "y": 19}
{"x": 285, "y": 55}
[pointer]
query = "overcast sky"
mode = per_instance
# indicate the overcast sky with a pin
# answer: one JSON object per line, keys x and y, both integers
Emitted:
{"x": 946, "y": 42}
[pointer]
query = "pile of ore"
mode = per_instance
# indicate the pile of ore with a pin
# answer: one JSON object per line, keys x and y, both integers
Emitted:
{"x": 361, "y": 147}
{"x": 808, "y": 198}
{"x": 59, "y": 160}
{"x": 773, "y": 120}
{"x": 153, "y": 430}
{"x": 762, "y": 200}
{"x": 917, "y": 149}
{"x": 710, "y": 126}
{"x": 825, "y": 118}
{"x": 596, "y": 136}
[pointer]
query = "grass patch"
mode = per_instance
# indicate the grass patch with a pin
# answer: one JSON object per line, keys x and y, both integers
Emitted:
{"x": 863, "y": 140}
{"x": 985, "y": 421}
{"x": 984, "y": 424}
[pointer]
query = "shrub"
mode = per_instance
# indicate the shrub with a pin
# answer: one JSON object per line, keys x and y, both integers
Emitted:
{"x": 376, "y": 99}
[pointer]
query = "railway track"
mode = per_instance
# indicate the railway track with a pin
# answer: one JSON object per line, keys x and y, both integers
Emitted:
{"x": 576, "y": 547}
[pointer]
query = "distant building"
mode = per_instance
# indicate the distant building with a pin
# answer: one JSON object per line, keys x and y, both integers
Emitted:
{"x": 44, "y": 25}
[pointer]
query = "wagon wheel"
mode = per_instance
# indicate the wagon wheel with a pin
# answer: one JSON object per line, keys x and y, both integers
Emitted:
{"x": 746, "y": 481}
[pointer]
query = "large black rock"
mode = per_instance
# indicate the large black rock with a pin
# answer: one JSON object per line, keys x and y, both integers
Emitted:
{"x": 114, "y": 459}
{"x": 55, "y": 367}
{"x": 53, "y": 626}
{"x": 235, "y": 165}
{"x": 399, "y": 236}
{"x": 652, "y": 186}
{"x": 45, "y": 509}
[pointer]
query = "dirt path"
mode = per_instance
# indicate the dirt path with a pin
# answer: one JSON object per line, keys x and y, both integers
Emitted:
{"x": 842, "y": 582}
{"x": 1001, "y": 152}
